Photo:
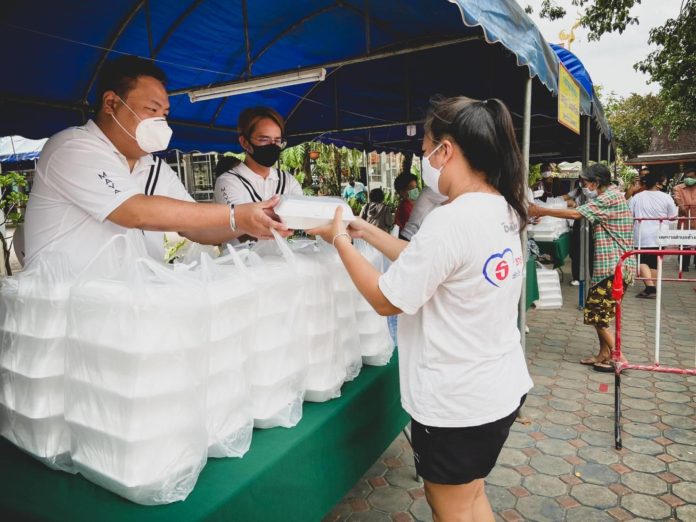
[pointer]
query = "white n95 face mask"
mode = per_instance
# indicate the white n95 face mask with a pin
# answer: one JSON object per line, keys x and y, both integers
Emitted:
{"x": 431, "y": 175}
{"x": 151, "y": 134}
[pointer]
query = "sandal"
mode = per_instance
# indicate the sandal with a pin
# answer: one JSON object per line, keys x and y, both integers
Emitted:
{"x": 605, "y": 366}
{"x": 645, "y": 295}
{"x": 589, "y": 361}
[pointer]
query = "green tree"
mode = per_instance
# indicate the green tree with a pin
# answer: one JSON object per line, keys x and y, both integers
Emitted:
{"x": 632, "y": 120}
{"x": 672, "y": 65}
{"x": 12, "y": 199}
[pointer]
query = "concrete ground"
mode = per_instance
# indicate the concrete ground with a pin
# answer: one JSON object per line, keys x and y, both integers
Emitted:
{"x": 562, "y": 465}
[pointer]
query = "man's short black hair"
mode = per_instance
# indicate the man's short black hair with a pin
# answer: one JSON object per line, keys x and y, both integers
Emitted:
{"x": 690, "y": 169}
{"x": 120, "y": 75}
{"x": 403, "y": 180}
{"x": 377, "y": 195}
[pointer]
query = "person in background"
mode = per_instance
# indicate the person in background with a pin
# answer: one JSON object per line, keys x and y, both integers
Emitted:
{"x": 406, "y": 186}
{"x": 457, "y": 284}
{"x": 636, "y": 185}
{"x": 95, "y": 181}
{"x": 575, "y": 198}
{"x": 354, "y": 189}
{"x": 685, "y": 198}
{"x": 544, "y": 188}
{"x": 613, "y": 236}
{"x": 376, "y": 212}
{"x": 257, "y": 179}
{"x": 426, "y": 202}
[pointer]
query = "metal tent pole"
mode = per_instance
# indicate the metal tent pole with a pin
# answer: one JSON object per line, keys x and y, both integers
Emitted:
{"x": 522, "y": 315}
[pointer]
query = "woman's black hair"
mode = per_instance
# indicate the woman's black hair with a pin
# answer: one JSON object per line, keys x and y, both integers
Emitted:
{"x": 377, "y": 195}
{"x": 484, "y": 132}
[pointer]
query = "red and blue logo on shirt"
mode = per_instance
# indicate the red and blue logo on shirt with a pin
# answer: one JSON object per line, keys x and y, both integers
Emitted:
{"x": 498, "y": 266}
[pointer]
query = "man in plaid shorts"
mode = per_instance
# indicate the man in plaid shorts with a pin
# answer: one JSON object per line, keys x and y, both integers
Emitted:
{"x": 613, "y": 236}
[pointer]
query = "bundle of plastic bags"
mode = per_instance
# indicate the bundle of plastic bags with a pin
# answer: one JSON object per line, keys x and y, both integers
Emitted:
{"x": 136, "y": 367}
{"x": 33, "y": 319}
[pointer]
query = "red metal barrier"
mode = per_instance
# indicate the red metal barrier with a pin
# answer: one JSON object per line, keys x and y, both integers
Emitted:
{"x": 617, "y": 294}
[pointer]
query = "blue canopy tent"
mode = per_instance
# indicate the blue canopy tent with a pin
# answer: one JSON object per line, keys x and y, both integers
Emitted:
{"x": 384, "y": 60}
{"x": 16, "y": 148}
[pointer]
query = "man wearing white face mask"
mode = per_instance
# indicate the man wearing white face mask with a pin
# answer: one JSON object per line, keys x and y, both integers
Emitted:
{"x": 97, "y": 180}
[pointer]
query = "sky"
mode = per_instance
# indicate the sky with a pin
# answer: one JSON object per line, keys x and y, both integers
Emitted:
{"x": 610, "y": 61}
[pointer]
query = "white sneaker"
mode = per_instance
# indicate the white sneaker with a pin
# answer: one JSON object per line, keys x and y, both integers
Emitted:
{"x": 575, "y": 282}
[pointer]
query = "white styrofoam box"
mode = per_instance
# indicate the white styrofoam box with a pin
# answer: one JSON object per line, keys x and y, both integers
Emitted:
{"x": 230, "y": 353}
{"x": 44, "y": 437}
{"x": 275, "y": 364}
{"x": 127, "y": 415}
{"x": 140, "y": 319}
{"x": 229, "y": 415}
{"x": 32, "y": 356}
{"x": 146, "y": 373}
{"x": 29, "y": 305}
{"x": 550, "y": 296}
{"x": 271, "y": 400}
{"x": 304, "y": 212}
{"x": 324, "y": 381}
{"x": 34, "y": 397}
{"x": 151, "y": 471}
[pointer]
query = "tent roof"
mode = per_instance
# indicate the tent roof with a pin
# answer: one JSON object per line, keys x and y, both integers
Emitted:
{"x": 384, "y": 61}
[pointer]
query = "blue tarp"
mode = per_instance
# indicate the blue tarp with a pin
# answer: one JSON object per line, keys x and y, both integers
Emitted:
{"x": 479, "y": 49}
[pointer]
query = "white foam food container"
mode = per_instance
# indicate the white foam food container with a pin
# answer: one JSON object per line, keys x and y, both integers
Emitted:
{"x": 305, "y": 212}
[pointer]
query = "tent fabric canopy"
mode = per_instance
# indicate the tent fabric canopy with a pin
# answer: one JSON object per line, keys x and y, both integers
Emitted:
{"x": 17, "y": 148}
{"x": 384, "y": 61}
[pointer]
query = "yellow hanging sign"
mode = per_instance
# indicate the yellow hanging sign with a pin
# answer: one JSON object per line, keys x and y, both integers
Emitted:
{"x": 568, "y": 100}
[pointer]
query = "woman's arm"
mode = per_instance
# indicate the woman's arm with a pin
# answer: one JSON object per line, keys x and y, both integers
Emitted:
{"x": 389, "y": 245}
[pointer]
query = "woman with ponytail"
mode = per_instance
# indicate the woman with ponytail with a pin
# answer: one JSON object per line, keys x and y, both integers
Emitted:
{"x": 457, "y": 285}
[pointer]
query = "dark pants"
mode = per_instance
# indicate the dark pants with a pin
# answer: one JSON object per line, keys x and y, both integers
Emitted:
{"x": 575, "y": 249}
{"x": 686, "y": 260}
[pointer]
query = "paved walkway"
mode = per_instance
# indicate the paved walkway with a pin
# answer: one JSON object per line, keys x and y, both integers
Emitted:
{"x": 562, "y": 466}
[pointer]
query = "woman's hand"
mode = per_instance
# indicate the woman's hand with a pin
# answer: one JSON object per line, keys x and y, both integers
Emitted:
{"x": 535, "y": 210}
{"x": 357, "y": 228}
{"x": 329, "y": 232}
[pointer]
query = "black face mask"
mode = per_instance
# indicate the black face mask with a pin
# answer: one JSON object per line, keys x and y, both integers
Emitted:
{"x": 266, "y": 155}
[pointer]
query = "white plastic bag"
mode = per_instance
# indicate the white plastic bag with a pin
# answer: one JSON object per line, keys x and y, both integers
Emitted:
{"x": 33, "y": 318}
{"x": 233, "y": 299}
{"x": 278, "y": 357}
{"x": 376, "y": 343}
{"x": 136, "y": 369}
{"x": 326, "y": 372}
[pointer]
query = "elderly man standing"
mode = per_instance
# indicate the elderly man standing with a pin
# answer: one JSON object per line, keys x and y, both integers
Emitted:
{"x": 613, "y": 235}
{"x": 685, "y": 197}
{"x": 95, "y": 181}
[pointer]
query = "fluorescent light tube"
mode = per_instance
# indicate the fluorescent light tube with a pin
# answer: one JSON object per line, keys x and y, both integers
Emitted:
{"x": 259, "y": 84}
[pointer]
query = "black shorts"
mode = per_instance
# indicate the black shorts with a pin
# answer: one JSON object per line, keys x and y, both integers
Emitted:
{"x": 649, "y": 259}
{"x": 459, "y": 455}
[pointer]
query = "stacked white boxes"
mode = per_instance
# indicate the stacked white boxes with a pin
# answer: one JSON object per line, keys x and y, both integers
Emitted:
{"x": 550, "y": 297}
{"x": 549, "y": 228}
{"x": 33, "y": 319}
{"x": 136, "y": 368}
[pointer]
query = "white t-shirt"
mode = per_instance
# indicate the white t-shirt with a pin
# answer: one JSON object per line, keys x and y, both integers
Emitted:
{"x": 650, "y": 204}
{"x": 243, "y": 185}
{"x": 80, "y": 179}
{"x": 458, "y": 283}
{"x": 427, "y": 201}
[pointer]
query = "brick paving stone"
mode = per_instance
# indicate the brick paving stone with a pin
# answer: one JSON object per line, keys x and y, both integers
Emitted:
{"x": 377, "y": 482}
{"x": 686, "y": 513}
{"x": 519, "y": 440}
{"x": 567, "y": 502}
{"x": 565, "y": 405}
{"x": 644, "y": 446}
{"x": 667, "y": 458}
{"x": 574, "y": 460}
{"x": 568, "y": 394}
{"x": 360, "y": 490}
{"x": 537, "y": 435}
{"x": 620, "y": 514}
{"x": 504, "y": 477}
{"x": 620, "y": 468}
{"x": 644, "y": 483}
{"x": 571, "y": 480}
{"x": 645, "y": 463}
{"x": 555, "y": 431}
{"x": 646, "y": 506}
{"x": 596, "y": 455}
{"x": 671, "y": 386}
{"x": 682, "y": 436}
{"x": 545, "y": 485}
{"x": 599, "y": 423}
{"x": 601, "y": 398}
{"x": 645, "y": 431}
{"x": 672, "y": 500}
{"x": 682, "y": 452}
{"x": 500, "y": 498}
{"x": 421, "y": 510}
{"x": 646, "y": 417}
{"x": 540, "y": 509}
{"x": 674, "y": 397}
{"x": 416, "y": 493}
{"x": 518, "y": 491}
{"x": 340, "y": 512}
{"x": 525, "y": 470}
{"x": 685, "y": 491}
{"x": 600, "y": 439}
{"x": 636, "y": 393}
{"x": 558, "y": 448}
{"x": 620, "y": 489}
{"x": 530, "y": 452}
{"x": 393, "y": 462}
{"x": 376, "y": 470}
{"x": 662, "y": 441}
{"x": 564, "y": 418}
{"x": 587, "y": 514}
{"x": 599, "y": 474}
{"x": 592, "y": 495}
{"x": 638, "y": 404}
{"x": 679, "y": 421}
{"x": 510, "y": 515}
{"x": 512, "y": 457}
{"x": 402, "y": 517}
{"x": 370, "y": 516}
{"x": 390, "y": 499}
{"x": 403, "y": 477}
{"x": 359, "y": 504}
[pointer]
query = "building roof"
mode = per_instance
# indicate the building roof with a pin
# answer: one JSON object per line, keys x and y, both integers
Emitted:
{"x": 664, "y": 151}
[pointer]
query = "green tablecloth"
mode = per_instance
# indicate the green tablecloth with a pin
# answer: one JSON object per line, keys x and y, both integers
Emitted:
{"x": 559, "y": 249}
{"x": 288, "y": 474}
{"x": 532, "y": 284}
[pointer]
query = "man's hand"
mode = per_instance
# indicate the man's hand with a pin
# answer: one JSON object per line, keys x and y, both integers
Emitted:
{"x": 535, "y": 210}
{"x": 257, "y": 219}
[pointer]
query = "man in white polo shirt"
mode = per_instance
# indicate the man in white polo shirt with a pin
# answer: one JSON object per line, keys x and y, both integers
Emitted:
{"x": 96, "y": 181}
{"x": 261, "y": 131}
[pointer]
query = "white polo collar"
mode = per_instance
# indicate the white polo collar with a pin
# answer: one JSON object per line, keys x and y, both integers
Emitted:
{"x": 144, "y": 161}
{"x": 252, "y": 176}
